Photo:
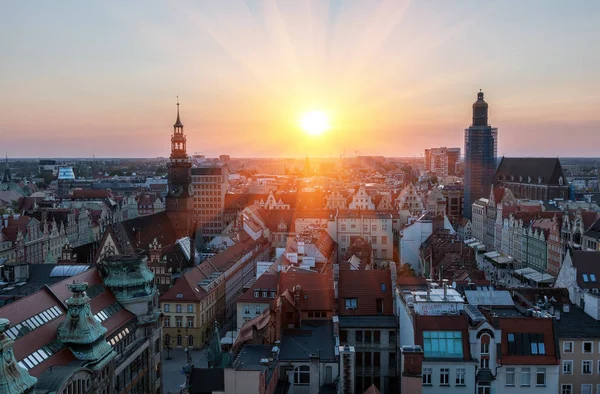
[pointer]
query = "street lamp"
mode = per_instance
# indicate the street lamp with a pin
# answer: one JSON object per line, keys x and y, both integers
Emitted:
{"x": 168, "y": 347}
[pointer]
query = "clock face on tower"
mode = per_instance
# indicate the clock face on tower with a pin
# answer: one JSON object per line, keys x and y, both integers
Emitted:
{"x": 175, "y": 190}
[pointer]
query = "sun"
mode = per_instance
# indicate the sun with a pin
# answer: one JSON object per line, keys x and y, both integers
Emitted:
{"x": 315, "y": 122}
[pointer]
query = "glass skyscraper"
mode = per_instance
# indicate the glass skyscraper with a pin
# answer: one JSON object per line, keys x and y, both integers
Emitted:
{"x": 481, "y": 146}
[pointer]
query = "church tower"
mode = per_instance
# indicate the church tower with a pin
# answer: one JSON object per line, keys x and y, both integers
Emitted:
{"x": 179, "y": 199}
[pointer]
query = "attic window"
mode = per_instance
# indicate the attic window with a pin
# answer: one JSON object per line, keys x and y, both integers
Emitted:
{"x": 351, "y": 303}
{"x": 272, "y": 294}
{"x": 585, "y": 278}
{"x": 256, "y": 293}
{"x": 593, "y": 277}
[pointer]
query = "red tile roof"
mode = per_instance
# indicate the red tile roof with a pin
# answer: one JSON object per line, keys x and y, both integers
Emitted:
{"x": 187, "y": 286}
{"x": 92, "y": 193}
{"x": 528, "y": 325}
{"x": 367, "y": 286}
{"x": 267, "y": 281}
{"x": 48, "y": 297}
{"x": 317, "y": 289}
{"x": 443, "y": 323}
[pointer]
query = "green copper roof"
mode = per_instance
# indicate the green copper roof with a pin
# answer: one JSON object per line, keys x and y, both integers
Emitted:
{"x": 14, "y": 379}
{"x": 80, "y": 331}
{"x": 128, "y": 277}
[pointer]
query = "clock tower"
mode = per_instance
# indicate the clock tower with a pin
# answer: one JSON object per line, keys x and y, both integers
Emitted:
{"x": 180, "y": 194}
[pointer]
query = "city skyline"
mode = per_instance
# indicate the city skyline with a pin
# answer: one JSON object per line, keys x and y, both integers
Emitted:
{"x": 395, "y": 78}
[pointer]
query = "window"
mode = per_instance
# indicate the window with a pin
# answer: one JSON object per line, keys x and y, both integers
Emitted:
{"x": 178, "y": 308}
{"x": 384, "y": 240}
{"x": 485, "y": 348}
{"x": 567, "y": 347}
{"x": 179, "y": 340}
{"x": 166, "y": 307}
{"x": 586, "y": 367}
{"x": 167, "y": 321}
{"x": 367, "y": 336}
{"x": 392, "y": 337}
{"x": 374, "y": 227}
{"x": 343, "y": 336}
{"x": 588, "y": 347}
{"x": 190, "y": 322}
{"x": 343, "y": 227}
{"x": 566, "y": 389}
{"x": 344, "y": 239}
{"x": 567, "y": 367}
{"x": 525, "y": 377}
{"x": 427, "y": 376}
{"x": 374, "y": 240}
{"x": 376, "y": 336}
{"x": 460, "y": 376}
{"x": 585, "y": 278}
{"x": 302, "y": 375}
{"x": 593, "y": 276}
{"x": 351, "y": 303}
{"x": 540, "y": 379}
{"x": 359, "y": 336}
{"x": 272, "y": 293}
{"x": 265, "y": 294}
{"x": 598, "y": 371}
{"x": 190, "y": 308}
{"x": 257, "y": 309}
{"x": 256, "y": 293}
{"x": 443, "y": 344}
{"x": 178, "y": 321}
{"x": 485, "y": 363}
{"x": 246, "y": 309}
{"x": 190, "y": 340}
{"x": 586, "y": 389}
{"x": 444, "y": 376}
{"x": 483, "y": 388}
{"x": 510, "y": 376}
{"x": 526, "y": 344}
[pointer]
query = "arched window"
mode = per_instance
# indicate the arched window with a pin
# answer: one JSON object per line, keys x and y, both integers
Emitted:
{"x": 302, "y": 375}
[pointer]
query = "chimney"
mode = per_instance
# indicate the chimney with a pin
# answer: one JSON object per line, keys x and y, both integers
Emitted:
{"x": 428, "y": 288}
{"x": 297, "y": 299}
{"x": 394, "y": 278}
{"x": 336, "y": 279}
{"x": 411, "y": 369}
{"x": 445, "y": 284}
{"x": 315, "y": 376}
{"x": 347, "y": 370}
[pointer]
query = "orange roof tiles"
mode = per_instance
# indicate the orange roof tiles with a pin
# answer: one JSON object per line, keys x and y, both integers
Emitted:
{"x": 366, "y": 286}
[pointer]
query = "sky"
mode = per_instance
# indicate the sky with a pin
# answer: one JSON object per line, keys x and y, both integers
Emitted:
{"x": 82, "y": 78}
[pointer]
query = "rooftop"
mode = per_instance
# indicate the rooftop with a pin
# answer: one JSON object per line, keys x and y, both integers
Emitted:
{"x": 313, "y": 337}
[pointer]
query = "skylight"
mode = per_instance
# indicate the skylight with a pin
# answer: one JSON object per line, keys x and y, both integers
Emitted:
{"x": 593, "y": 277}
{"x": 585, "y": 278}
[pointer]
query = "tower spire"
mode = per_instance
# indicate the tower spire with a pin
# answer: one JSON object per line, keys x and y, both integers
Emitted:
{"x": 178, "y": 122}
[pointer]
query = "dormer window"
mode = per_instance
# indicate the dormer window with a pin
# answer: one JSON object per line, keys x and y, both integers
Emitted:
{"x": 351, "y": 303}
{"x": 272, "y": 293}
{"x": 256, "y": 293}
{"x": 265, "y": 294}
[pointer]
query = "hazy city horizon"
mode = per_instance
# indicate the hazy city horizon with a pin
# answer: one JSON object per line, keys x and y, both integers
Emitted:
{"x": 390, "y": 76}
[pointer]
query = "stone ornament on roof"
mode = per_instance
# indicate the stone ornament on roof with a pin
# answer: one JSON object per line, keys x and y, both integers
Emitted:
{"x": 13, "y": 378}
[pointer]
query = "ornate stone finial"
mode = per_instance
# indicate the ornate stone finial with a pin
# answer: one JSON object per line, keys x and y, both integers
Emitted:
{"x": 80, "y": 331}
{"x": 14, "y": 379}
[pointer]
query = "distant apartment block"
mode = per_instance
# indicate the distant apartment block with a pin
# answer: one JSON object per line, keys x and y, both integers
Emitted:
{"x": 209, "y": 187}
{"x": 442, "y": 161}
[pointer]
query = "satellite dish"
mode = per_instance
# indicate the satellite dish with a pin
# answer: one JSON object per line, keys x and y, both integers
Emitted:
{"x": 454, "y": 285}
